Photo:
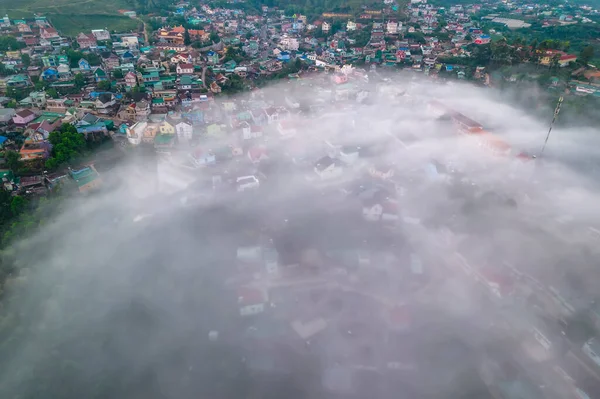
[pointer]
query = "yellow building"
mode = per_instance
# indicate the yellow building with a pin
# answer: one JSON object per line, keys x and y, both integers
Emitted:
{"x": 166, "y": 128}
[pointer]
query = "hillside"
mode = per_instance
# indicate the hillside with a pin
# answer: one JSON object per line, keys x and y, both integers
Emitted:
{"x": 71, "y": 17}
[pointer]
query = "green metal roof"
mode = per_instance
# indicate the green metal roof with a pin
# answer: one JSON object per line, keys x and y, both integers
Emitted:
{"x": 84, "y": 176}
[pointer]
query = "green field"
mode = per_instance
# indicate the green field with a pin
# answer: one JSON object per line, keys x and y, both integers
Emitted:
{"x": 72, "y": 17}
{"x": 71, "y": 25}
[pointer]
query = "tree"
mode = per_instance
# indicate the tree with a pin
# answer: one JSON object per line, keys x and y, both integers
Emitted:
{"x": 39, "y": 85}
{"x": 26, "y": 59}
{"x": 117, "y": 74}
{"x": 11, "y": 104}
{"x": 8, "y": 43}
{"x": 17, "y": 205}
{"x": 104, "y": 85}
{"x": 79, "y": 80}
{"x": 67, "y": 144}
{"x": 586, "y": 55}
{"x": 214, "y": 37}
{"x": 13, "y": 160}
{"x": 186, "y": 37}
{"x": 51, "y": 92}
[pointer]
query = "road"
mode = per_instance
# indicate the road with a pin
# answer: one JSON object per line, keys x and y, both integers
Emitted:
{"x": 145, "y": 31}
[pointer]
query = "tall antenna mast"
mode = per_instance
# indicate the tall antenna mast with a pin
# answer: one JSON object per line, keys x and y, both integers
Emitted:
{"x": 556, "y": 111}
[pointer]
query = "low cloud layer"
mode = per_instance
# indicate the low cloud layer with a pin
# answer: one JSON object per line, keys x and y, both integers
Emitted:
{"x": 118, "y": 294}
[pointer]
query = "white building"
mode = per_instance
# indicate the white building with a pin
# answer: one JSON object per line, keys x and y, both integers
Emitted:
{"x": 326, "y": 26}
{"x": 135, "y": 133}
{"x": 328, "y": 168}
{"x": 5, "y": 21}
{"x": 101, "y": 34}
{"x": 184, "y": 131}
{"x": 392, "y": 28}
{"x": 351, "y": 26}
{"x": 289, "y": 43}
{"x": 130, "y": 41}
{"x": 252, "y": 300}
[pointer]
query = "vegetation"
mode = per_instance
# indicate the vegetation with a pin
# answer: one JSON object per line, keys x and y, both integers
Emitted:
{"x": 72, "y": 24}
{"x": 9, "y": 43}
{"x": 67, "y": 145}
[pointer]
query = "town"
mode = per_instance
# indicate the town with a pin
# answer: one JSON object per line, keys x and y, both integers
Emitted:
{"x": 253, "y": 107}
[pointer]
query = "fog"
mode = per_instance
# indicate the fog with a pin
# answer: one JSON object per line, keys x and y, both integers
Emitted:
{"x": 118, "y": 294}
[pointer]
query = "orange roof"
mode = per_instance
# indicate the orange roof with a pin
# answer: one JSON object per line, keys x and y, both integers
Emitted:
{"x": 495, "y": 143}
{"x": 178, "y": 29}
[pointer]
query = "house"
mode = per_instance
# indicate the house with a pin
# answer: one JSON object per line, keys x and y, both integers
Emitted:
{"x": 23, "y": 117}
{"x": 184, "y": 131}
{"x": 164, "y": 142}
{"x": 49, "y": 75}
{"x": 563, "y": 59}
{"x": 183, "y": 57}
{"x": 166, "y": 128}
{"x": 64, "y": 72}
{"x": 101, "y": 34}
{"x": 212, "y": 57}
{"x": 131, "y": 42}
{"x": 252, "y": 300}
{"x": 87, "y": 179}
{"x": 187, "y": 82}
{"x": 200, "y": 157}
{"x": 104, "y": 103}
{"x": 482, "y": 39}
{"x": 328, "y": 168}
{"x": 84, "y": 66}
{"x": 100, "y": 75}
{"x": 349, "y": 154}
{"x": 135, "y": 133}
{"x": 34, "y": 149}
{"x": 381, "y": 171}
{"x": 49, "y": 33}
{"x": 372, "y": 210}
{"x": 250, "y": 131}
{"x": 110, "y": 61}
{"x": 286, "y": 129}
{"x": 257, "y": 154}
{"x": 6, "y": 115}
{"x": 130, "y": 79}
{"x": 86, "y": 41}
{"x": 58, "y": 104}
{"x": 184, "y": 69}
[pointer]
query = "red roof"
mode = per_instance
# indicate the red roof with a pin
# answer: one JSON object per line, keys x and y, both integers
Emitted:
{"x": 287, "y": 125}
{"x": 186, "y": 66}
{"x": 250, "y": 296}
{"x": 568, "y": 57}
{"x": 255, "y": 153}
{"x": 270, "y": 111}
{"x": 25, "y": 113}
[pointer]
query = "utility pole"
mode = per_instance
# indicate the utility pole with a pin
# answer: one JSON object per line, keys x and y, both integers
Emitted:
{"x": 556, "y": 111}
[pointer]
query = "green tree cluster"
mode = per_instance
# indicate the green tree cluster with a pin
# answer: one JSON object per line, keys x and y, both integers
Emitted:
{"x": 10, "y": 43}
{"x": 67, "y": 144}
{"x": 74, "y": 57}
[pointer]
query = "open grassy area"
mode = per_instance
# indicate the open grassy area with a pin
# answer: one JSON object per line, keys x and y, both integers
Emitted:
{"x": 71, "y": 25}
{"x": 73, "y": 16}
